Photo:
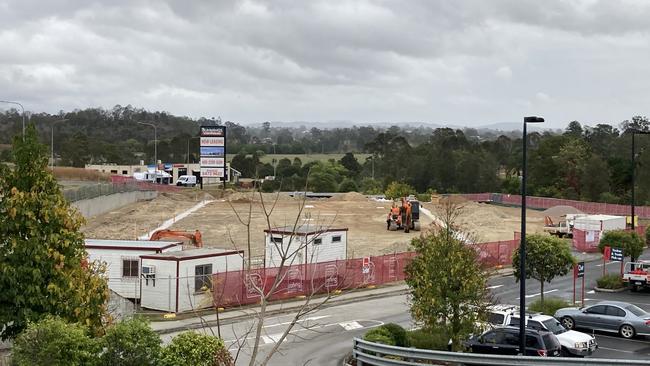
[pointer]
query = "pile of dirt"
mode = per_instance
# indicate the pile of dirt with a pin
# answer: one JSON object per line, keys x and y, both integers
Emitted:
{"x": 349, "y": 197}
{"x": 561, "y": 210}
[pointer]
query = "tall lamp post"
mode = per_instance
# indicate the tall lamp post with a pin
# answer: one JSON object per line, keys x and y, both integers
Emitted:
{"x": 634, "y": 132}
{"x": 52, "y": 142}
{"x": 188, "y": 148}
{"x": 21, "y": 107}
{"x": 522, "y": 246}
{"x": 155, "y": 146}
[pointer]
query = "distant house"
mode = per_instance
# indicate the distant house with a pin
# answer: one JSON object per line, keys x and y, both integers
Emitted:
{"x": 311, "y": 244}
{"x": 179, "y": 281}
{"x": 122, "y": 259}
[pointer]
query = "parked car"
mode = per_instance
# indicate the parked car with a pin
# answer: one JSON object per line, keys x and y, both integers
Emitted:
{"x": 505, "y": 341}
{"x": 186, "y": 180}
{"x": 573, "y": 343}
{"x": 623, "y": 318}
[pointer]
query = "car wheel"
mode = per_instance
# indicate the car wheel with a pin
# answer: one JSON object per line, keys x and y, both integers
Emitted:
{"x": 626, "y": 331}
{"x": 568, "y": 322}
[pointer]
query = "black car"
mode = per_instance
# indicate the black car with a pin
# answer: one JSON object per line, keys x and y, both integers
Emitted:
{"x": 505, "y": 341}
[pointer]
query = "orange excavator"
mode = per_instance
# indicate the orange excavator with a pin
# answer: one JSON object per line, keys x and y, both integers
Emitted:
{"x": 195, "y": 238}
{"x": 405, "y": 216}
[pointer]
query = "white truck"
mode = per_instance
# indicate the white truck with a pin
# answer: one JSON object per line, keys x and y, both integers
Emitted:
{"x": 637, "y": 275}
{"x": 600, "y": 223}
{"x": 186, "y": 181}
{"x": 573, "y": 343}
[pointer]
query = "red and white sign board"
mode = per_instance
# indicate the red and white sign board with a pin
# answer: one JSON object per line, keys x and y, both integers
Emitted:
{"x": 213, "y": 162}
{"x": 212, "y": 172}
{"x": 213, "y": 141}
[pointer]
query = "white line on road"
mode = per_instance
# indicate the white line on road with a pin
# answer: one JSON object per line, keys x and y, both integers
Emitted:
{"x": 537, "y": 294}
{"x": 619, "y": 338}
{"x": 351, "y": 325}
{"x": 608, "y": 263}
{"x": 493, "y": 287}
{"x": 591, "y": 292}
{"x": 298, "y": 321}
{"x": 615, "y": 349}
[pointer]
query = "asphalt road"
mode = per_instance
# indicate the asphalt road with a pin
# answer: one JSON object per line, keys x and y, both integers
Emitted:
{"x": 325, "y": 337}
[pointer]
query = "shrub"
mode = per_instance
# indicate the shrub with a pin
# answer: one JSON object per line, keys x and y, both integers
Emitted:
{"x": 397, "y": 190}
{"x": 424, "y": 197}
{"x": 269, "y": 186}
{"x": 54, "y": 342}
{"x": 191, "y": 348}
{"x": 610, "y": 281}
{"x": 397, "y": 333}
{"x": 380, "y": 335}
{"x": 629, "y": 241}
{"x": 348, "y": 185}
{"x": 371, "y": 186}
{"x": 434, "y": 339}
{"x": 549, "y": 306}
{"x": 647, "y": 236}
{"x": 130, "y": 343}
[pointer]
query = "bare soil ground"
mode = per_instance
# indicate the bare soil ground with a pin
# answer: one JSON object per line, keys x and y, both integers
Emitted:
{"x": 365, "y": 219}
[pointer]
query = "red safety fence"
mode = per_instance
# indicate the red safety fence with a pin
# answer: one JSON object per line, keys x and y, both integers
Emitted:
{"x": 545, "y": 202}
{"x": 237, "y": 288}
{"x": 586, "y": 240}
{"x": 143, "y": 185}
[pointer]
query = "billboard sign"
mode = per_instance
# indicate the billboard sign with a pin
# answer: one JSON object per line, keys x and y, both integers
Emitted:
{"x": 213, "y": 152}
{"x": 616, "y": 254}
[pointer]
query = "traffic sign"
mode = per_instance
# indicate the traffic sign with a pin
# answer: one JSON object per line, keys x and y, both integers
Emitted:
{"x": 616, "y": 254}
{"x": 580, "y": 269}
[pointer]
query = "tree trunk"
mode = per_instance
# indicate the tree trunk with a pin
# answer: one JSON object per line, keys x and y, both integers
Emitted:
{"x": 541, "y": 293}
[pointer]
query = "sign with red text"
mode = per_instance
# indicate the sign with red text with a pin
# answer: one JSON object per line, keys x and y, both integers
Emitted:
{"x": 213, "y": 152}
{"x": 212, "y": 172}
{"x": 213, "y": 162}
{"x": 213, "y": 141}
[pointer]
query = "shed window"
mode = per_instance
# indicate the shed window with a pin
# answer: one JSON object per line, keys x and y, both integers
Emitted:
{"x": 276, "y": 239}
{"x": 336, "y": 239}
{"x": 125, "y": 172}
{"x": 130, "y": 267}
{"x": 318, "y": 241}
{"x": 113, "y": 171}
{"x": 202, "y": 277}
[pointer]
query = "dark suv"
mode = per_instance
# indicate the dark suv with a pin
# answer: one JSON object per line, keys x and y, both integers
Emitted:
{"x": 505, "y": 341}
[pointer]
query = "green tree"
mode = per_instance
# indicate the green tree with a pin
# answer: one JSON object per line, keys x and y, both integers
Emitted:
{"x": 350, "y": 163}
{"x": 546, "y": 258}
{"x": 130, "y": 343}
{"x": 348, "y": 185}
{"x": 397, "y": 190}
{"x": 43, "y": 269}
{"x": 447, "y": 281}
{"x": 595, "y": 178}
{"x": 371, "y": 186}
{"x": 629, "y": 241}
{"x": 52, "y": 341}
{"x": 191, "y": 348}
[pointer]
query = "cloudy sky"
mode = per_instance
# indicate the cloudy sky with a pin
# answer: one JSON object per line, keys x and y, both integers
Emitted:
{"x": 460, "y": 62}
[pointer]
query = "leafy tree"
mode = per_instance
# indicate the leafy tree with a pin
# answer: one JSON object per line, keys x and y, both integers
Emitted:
{"x": 396, "y": 190}
{"x": 130, "y": 343}
{"x": 42, "y": 257}
{"x": 350, "y": 163}
{"x": 546, "y": 258}
{"x": 595, "y": 178}
{"x": 371, "y": 186}
{"x": 629, "y": 241}
{"x": 447, "y": 281}
{"x": 52, "y": 341}
{"x": 348, "y": 185}
{"x": 191, "y": 348}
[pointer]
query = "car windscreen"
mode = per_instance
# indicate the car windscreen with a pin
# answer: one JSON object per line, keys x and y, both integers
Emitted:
{"x": 635, "y": 310}
{"x": 554, "y": 326}
{"x": 495, "y": 318}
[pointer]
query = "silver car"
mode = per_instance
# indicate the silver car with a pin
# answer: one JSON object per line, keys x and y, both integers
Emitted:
{"x": 610, "y": 316}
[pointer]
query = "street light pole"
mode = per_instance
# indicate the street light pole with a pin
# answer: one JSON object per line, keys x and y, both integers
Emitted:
{"x": 52, "y": 142}
{"x": 21, "y": 107}
{"x": 634, "y": 132}
{"x": 522, "y": 246}
{"x": 155, "y": 146}
{"x": 188, "y": 148}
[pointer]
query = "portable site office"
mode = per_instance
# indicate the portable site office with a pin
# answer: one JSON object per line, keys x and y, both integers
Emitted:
{"x": 179, "y": 281}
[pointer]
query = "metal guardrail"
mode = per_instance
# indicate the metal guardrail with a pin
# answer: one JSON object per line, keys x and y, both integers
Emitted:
{"x": 370, "y": 353}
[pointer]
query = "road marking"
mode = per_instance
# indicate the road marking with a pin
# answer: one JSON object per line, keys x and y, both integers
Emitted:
{"x": 351, "y": 325}
{"x": 272, "y": 338}
{"x": 619, "y": 338}
{"x": 615, "y": 349}
{"x": 493, "y": 287}
{"x": 537, "y": 294}
{"x": 591, "y": 292}
{"x": 298, "y": 321}
{"x": 608, "y": 263}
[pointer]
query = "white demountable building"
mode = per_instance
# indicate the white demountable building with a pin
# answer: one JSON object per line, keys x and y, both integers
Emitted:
{"x": 178, "y": 281}
{"x": 600, "y": 223}
{"x": 122, "y": 258}
{"x": 311, "y": 244}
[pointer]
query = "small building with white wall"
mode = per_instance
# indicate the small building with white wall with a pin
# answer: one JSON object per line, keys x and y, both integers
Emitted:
{"x": 122, "y": 258}
{"x": 309, "y": 244}
{"x": 176, "y": 282}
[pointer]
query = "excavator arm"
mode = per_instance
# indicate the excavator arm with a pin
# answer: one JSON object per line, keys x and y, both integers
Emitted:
{"x": 195, "y": 237}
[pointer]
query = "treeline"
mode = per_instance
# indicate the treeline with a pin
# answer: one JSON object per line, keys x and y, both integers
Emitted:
{"x": 582, "y": 162}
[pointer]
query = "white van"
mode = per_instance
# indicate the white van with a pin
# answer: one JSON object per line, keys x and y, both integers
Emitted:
{"x": 186, "y": 180}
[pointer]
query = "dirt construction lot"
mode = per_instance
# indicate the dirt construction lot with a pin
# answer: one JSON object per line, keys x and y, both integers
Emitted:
{"x": 364, "y": 218}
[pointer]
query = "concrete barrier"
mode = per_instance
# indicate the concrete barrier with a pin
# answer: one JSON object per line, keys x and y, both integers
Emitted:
{"x": 99, "y": 205}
